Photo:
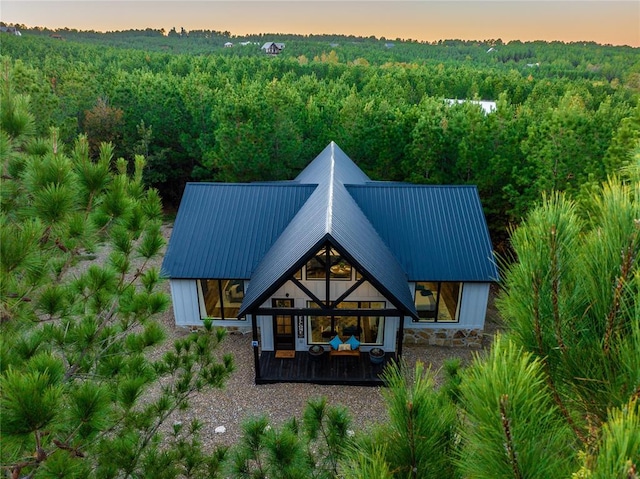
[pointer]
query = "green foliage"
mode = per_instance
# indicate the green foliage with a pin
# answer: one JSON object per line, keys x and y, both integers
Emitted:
{"x": 329, "y": 425}
{"x": 102, "y": 124}
{"x": 75, "y": 368}
{"x": 89, "y": 406}
{"x": 571, "y": 300}
{"x": 15, "y": 117}
{"x": 30, "y": 401}
{"x": 290, "y": 452}
{"x": 418, "y": 439}
{"x": 453, "y": 378}
{"x": 511, "y": 427}
{"x": 618, "y": 452}
{"x": 198, "y": 111}
{"x": 566, "y": 113}
{"x": 361, "y": 466}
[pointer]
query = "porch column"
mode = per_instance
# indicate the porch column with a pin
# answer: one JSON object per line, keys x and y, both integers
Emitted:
{"x": 254, "y": 345}
{"x": 400, "y": 337}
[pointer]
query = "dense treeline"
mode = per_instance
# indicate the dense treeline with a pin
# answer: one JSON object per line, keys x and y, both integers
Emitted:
{"x": 235, "y": 114}
{"x": 575, "y": 60}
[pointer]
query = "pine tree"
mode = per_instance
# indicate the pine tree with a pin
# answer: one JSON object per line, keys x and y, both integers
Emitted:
{"x": 418, "y": 439}
{"x": 311, "y": 449}
{"x": 571, "y": 300}
{"x": 511, "y": 427}
{"x": 571, "y": 303}
{"x": 80, "y": 394}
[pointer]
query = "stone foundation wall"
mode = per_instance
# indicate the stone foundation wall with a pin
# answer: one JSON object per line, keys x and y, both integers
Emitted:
{"x": 470, "y": 338}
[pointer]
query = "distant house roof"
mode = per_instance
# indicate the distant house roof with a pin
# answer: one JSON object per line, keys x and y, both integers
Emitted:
{"x": 487, "y": 106}
{"x": 228, "y": 44}
{"x": 272, "y": 47}
{"x": 10, "y": 30}
{"x": 392, "y": 233}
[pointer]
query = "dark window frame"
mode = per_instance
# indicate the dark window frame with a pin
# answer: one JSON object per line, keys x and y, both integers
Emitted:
{"x": 335, "y": 313}
{"x": 434, "y": 319}
{"x": 328, "y": 257}
{"x": 201, "y": 291}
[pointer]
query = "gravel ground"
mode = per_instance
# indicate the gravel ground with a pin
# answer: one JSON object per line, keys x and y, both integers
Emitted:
{"x": 241, "y": 398}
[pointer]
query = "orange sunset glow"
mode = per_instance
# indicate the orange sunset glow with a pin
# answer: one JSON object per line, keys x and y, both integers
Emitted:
{"x": 607, "y": 22}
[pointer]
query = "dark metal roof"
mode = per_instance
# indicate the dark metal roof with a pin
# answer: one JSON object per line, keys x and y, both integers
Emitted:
{"x": 437, "y": 233}
{"x": 392, "y": 232}
{"x": 330, "y": 214}
{"x": 224, "y": 230}
{"x": 332, "y": 164}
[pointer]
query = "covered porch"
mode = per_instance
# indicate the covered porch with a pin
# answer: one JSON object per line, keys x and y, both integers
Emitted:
{"x": 302, "y": 368}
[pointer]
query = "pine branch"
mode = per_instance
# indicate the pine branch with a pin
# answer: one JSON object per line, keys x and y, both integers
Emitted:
{"x": 509, "y": 444}
{"x": 626, "y": 267}
{"x": 555, "y": 290}
{"x": 103, "y": 323}
{"x": 547, "y": 367}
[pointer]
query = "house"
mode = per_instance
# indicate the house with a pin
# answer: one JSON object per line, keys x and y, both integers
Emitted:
{"x": 228, "y": 45}
{"x": 10, "y": 31}
{"x": 487, "y": 106}
{"x": 331, "y": 254}
{"x": 272, "y": 48}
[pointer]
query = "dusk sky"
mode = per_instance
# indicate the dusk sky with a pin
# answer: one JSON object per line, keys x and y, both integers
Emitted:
{"x": 603, "y": 21}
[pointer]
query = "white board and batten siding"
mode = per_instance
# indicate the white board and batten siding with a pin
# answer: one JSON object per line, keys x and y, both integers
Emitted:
{"x": 473, "y": 310}
{"x": 265, "y": 323}
{"x": 184, "y": 294}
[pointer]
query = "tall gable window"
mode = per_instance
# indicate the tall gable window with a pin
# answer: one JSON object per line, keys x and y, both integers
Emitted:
{"x": 220, "y": 298}
{"x": 438, "y": 302}
{"x": 328, "y": 261}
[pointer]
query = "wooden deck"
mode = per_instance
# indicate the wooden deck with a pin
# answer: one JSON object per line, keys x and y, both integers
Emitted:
{"x": 344, "y": 370}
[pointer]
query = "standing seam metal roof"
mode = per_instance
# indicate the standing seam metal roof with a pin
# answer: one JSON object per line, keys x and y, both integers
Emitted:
{"x": 330, "y": 212}
{"x": 224, "y": 230}
{"x": 438, "y": 233}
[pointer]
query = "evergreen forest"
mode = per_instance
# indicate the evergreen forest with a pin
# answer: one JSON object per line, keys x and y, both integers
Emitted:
{"x": 101, "y": 131}
{"x": 566, "y": 114}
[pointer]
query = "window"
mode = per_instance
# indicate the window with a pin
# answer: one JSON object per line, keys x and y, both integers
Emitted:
{"x": 328, "y": 260}
{"x": 220, "y": 298}
{"x": 316, "y": 267}
{"x": 438, "y": 302}
{"x": 367, "y": 327}
{"x": 282, "y": 303}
